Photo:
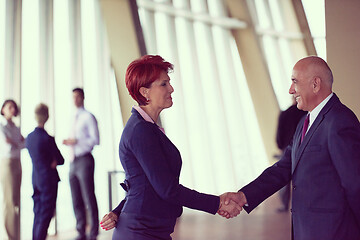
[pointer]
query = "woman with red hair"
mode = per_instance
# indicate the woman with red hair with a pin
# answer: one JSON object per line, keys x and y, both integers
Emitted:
{"x": 152, "y": 163}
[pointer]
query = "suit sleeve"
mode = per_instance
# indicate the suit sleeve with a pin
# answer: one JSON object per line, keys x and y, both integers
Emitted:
{"x": 344, "y": 147}
{"x": 56, "y": 152}
{"x": 118, "y": 209}
{"x": 269, "y": 182}
{"x": 147, "y": 148}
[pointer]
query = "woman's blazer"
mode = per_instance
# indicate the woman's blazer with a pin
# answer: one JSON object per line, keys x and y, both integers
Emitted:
{"x": 152, "y": 165}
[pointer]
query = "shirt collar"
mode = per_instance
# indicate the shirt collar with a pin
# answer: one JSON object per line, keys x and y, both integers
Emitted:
{"x": 146, "y": 117}
{"x": 315, "y": 112}
{"x": 80, "y": 109}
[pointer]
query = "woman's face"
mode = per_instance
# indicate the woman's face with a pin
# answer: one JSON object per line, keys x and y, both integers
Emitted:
{"x": 159, "y": 93}
{"x": 9, "y": 110}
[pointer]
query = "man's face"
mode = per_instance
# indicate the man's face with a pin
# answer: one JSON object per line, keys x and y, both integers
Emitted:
{"x": 78, "y": 99}
{"x": 302, "y": 87}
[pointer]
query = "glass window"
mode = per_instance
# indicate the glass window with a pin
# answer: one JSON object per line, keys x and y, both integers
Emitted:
{"x": 277, "y": 40}
{"x": 315, "y": 14}
{"x": 2, "y": 47}
{"x": 275, "y": 45}
{"x": 100, "y": 90}
{"x": 30, "y": 96}
{"x": 207, "y": 121}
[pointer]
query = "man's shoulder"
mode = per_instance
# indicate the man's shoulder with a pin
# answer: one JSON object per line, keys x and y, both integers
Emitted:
{"x": 339, "y": 115}
{"x": 86, "y": 114}
{"x": 38, "y": 133}
{"x": 341, "y": 111}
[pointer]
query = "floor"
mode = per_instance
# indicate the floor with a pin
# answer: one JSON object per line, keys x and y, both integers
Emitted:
{"x": 264, "y": 223}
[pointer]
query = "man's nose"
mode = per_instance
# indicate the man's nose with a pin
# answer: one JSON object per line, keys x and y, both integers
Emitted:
{"x": 292, "y": 89}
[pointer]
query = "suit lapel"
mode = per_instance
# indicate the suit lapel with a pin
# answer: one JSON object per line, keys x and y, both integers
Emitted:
{"x": 299, "y": 148}
{"x": 296, "y": 145}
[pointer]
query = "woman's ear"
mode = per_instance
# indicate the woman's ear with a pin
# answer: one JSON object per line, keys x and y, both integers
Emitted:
{"x": 144, "y": 91}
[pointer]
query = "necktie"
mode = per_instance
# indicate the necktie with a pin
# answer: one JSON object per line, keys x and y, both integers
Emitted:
{"x": 305, "y": 126}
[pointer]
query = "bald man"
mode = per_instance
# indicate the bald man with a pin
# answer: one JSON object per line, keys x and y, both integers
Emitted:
{"x": 323, "y": 162}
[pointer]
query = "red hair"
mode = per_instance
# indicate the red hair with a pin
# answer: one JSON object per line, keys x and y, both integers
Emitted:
{"x": 142, "y": 73}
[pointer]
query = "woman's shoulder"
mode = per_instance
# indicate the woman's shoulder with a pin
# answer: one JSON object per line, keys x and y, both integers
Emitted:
{"x": 137, "y": 121}
{"x": 138, "y": 130}
{"x": 137, "y": 125}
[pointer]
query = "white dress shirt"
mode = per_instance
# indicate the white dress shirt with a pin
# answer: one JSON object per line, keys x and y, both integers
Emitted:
{"x": 12, "y": 132}
{"x": 315, "y": 112}
{"x": 85, "y": 131}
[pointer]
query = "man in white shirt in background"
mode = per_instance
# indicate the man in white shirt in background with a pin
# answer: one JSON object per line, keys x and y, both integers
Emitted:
{"x": 84, "y": 136}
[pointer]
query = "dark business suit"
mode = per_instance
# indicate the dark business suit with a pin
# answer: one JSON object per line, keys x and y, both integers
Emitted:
{"x": 43, "y": 151}
{"x": 155, "y": 198}
{"x": 325, "y": 170}
{"x": 288, "y": 121}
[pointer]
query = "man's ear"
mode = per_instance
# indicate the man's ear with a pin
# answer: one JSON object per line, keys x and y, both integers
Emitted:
{"x": 317, "y": 84}
{"x": 144, "y": 91}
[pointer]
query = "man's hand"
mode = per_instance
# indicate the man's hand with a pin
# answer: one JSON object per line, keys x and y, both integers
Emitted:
{"x": 238, "y": 197}
{"x": 227, "y": 199}
{"x": 69, "y": 142}
{"x": 109, "y": 221}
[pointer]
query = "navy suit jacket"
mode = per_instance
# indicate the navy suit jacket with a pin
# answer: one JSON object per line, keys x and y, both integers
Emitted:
{"x": 325, "y": 170}
{"x": 43, "y": 150}
{"x": 152, "y": 166}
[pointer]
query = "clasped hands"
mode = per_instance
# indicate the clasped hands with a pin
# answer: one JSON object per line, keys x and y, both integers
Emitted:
{"x": 231, "y": 204}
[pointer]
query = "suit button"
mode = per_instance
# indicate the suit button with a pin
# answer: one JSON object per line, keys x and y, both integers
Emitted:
{"x": 294, "y": 187}
{"x": 291, "y": 210}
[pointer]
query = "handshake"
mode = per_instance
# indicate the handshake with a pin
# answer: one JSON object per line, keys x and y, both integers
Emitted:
{"x": 231, "y": 204}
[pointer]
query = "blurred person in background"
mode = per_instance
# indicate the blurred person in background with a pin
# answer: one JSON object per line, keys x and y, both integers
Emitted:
{"x": 83, "y": 138}
{"x": 11, "y": 142}
{"x": 45, "y": 157}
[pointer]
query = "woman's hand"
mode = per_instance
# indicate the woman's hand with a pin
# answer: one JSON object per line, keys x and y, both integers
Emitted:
{"x": 109, "y": 221}
{"x": 228, "y": 207}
